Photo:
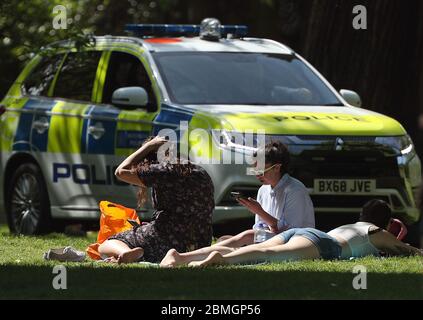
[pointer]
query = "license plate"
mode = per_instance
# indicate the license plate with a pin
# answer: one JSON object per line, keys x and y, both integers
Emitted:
{"x": 344, "y": 186}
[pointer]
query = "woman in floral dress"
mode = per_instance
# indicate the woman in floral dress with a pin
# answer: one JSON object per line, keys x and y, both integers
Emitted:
{"x": 183, "y": 199}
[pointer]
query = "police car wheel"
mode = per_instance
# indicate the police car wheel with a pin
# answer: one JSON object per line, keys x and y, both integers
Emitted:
{"x": 28, "y": 205}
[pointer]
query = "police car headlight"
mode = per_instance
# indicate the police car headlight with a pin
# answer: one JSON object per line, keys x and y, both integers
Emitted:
{"x": 406, "y": 156}
{"x": 403, "y": 145}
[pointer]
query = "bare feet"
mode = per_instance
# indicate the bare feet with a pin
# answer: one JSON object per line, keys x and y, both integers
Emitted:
{"x": 214, "y": 258}
{"x": 172, "y": 259}
{"x": 133, "y": 255}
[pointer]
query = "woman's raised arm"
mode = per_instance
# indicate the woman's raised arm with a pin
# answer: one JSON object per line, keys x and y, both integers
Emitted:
{"x": 125, "y": 173}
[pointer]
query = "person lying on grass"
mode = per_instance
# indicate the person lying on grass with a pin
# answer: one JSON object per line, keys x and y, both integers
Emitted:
{"x": 183, "y": 199}
{"x": 366, "y": 237}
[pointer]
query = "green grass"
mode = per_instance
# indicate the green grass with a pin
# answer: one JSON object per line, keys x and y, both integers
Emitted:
{"x": 24, "y": 274}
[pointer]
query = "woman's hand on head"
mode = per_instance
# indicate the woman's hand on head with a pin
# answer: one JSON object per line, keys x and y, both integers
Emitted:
{"x": 155, "y": 143}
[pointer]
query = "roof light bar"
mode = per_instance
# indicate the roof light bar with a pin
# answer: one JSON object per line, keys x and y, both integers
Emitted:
{"x": 146, "y": 30}
{"x": 237, "y": 30}
{"x": 210, "y": 29}
{"x": 167, "y": 30}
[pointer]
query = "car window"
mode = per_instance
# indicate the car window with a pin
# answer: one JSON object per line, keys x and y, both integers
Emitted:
{"x": 77, "y": 75}
{"x": 126, "y": 70}
{"x": 241, "y": 78}
{"x": 39, "y": 80}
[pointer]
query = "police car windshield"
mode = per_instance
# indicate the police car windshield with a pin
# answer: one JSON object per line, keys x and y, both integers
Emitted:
{"x": 241, "y": 78}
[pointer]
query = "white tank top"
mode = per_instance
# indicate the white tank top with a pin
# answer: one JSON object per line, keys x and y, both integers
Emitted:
{"x": 357, "y": 237}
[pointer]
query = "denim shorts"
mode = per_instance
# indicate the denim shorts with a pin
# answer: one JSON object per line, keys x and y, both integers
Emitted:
{"x": 328, "y": 247}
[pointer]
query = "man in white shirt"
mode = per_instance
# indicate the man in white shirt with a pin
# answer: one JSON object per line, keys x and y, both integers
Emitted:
{"x": 282, "y": 201}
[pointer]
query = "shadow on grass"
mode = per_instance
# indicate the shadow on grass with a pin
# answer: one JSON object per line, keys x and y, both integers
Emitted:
{"x": 35, "y": 282}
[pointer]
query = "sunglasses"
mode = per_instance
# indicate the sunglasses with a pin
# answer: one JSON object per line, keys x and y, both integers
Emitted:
{"x": 262, "y": 172}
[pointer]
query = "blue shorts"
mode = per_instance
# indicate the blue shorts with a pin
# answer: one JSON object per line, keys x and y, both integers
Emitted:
{"x": 328, "y": 247}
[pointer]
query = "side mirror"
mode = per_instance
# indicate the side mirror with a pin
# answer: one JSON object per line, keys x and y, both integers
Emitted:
{"x": 133, "y": 97}
{"x": 352, "y": 97}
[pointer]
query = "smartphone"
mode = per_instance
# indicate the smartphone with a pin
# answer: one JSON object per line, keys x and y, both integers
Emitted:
{"x": 237, "y": 194}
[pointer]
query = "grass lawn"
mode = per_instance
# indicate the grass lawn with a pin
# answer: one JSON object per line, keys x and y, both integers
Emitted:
{"x": 25, "y": 275}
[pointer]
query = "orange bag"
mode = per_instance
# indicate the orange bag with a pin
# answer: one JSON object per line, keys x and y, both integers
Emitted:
{"x": 114, "y": 219}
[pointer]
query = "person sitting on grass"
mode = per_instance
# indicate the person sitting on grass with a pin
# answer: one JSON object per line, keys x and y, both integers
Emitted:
{"x": 283, "y": 202}
{"x": 366, "y": 237}
{"x": 183, "y": 199}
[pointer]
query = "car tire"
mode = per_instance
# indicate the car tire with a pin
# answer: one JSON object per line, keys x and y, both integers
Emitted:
{"x": 27, "y": 202}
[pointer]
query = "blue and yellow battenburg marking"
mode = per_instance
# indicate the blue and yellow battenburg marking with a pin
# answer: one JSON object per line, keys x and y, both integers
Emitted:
{"x": 68, "y": 127}
{"x": 28, "y": 136}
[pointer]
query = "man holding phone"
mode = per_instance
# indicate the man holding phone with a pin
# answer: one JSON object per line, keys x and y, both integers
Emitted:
{"x": 282, "y": 201}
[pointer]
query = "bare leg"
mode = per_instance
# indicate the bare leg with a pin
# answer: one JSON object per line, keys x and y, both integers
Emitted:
{"x": 242, "y": 239}
{"x": 133, "y": 255}
{"x": 297, "y": 248}
{"x": 173, "y": 258}
{"x": 213, "y": 249}
{"x": 222, "y": 238}
{"x": 120, "y": 251}
{"x": 113, "y": 248}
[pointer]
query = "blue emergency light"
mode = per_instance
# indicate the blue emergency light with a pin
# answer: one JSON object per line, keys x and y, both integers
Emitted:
{"x": 161, "y": 30}
{"x": 210, "y": 29}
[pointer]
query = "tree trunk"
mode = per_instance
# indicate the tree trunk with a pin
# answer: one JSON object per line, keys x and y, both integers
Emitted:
{"x": 382, "y": 63}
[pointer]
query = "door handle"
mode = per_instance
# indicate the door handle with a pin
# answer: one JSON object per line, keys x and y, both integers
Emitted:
{"x": 97, "y": 131}
{"x": 40, "y": 125}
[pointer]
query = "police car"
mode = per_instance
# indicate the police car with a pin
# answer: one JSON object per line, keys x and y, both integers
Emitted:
{"x": 74, "y": 114}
